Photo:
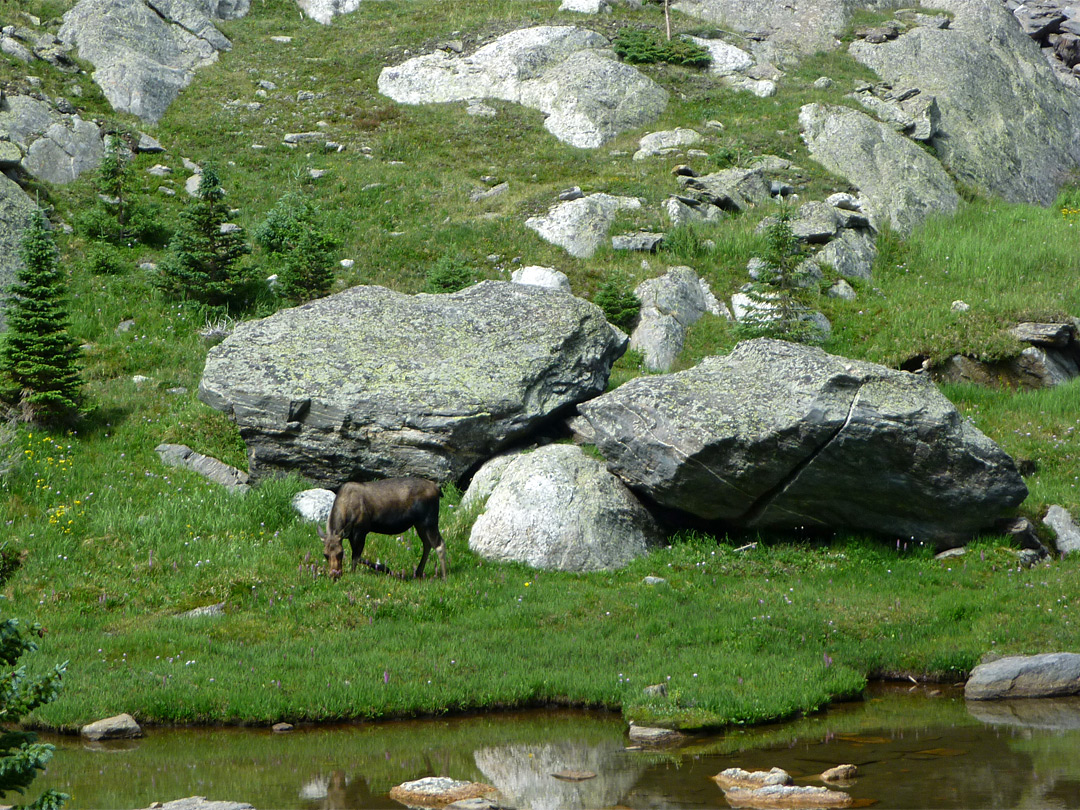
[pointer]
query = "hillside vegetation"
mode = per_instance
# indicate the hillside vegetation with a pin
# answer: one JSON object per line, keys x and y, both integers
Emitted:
{"x": 104, "y": 546}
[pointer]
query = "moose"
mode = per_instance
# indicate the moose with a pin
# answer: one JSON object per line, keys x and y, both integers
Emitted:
{"x": 390, "y": 506}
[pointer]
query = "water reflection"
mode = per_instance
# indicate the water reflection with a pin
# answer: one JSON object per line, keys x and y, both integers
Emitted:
{"x": 922, "y": 749}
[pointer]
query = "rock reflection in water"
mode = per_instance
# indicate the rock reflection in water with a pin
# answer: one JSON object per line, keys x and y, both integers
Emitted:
{"x": 523, "y": 773}
{"x": 1046, "y": 713}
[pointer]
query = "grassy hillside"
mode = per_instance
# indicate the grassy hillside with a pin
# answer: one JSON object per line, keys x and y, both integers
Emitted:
{"x": 114, "y": 545}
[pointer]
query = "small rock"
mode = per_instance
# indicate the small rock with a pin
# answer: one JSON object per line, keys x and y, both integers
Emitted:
{"x": 841, "y": 773}
{"x": 643, "y": 241}
{"x": 437, "y": 791}
{"x": 159, "y": 170}
{"x": 646, "y": 735}
{"x": 206, "y": 610}
{"x": 148, "y": 144}
{"x": 650, "y": 580}
{"x": 960, "y": 306}
{"x": 125, "y": 326}
{"x": 949, "y": 554}
{"x": 656, "y": 690}
{"x": 751, "y": 780}
{"x": 139, "y": 379}
{"x": 347, "y": 263}
{"x": 281, "y": 728}
{"x": 574, "y": 193}
{"x": 283, "y": 40}
{"x": 122, "y": 726}
{"x": 823, "y": 83}
{"x": 300, "y": 137}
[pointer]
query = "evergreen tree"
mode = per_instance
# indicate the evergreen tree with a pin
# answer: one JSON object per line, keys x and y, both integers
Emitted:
{"x": 112, "y": 176}
{"x": 203, "y": 262}
{"x": 21, "y": 756}
{"x": 39, "y": 360}
{"x": 299, "y": 246}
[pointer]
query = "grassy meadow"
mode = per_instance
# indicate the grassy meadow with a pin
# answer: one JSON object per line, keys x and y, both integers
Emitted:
{"x": 105, "y": 547}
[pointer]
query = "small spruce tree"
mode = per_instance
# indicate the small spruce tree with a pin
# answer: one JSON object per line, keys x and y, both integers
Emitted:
{"x": 203, "y": 261}
{"x": 299, "y": 246}
{"x": 112, "y": 175}
{"x": 39, "y": 360}
{"x": 21, "y": 756}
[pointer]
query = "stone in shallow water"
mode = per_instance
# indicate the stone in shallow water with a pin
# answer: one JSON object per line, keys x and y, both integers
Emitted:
{"x": 438, "y": 791}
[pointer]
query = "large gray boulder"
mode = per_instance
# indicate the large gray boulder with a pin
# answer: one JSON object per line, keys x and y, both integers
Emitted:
{"x": 778, "y": 435}
{"x": 371, "y": 383}
{"x": 144, "y": 52}
{"x": 567, "y": 73}
{"x": 324, "y": 11}
{"x": 558, "y": 509}
{"x": 581, "y": 226}
{"x": 54, "y": 147}
{"x": 791, "y": 28}
{"x": 670, "y": 305}
{"x": 1025, "y": 676}
{"x": 901, "y": 183}
{"x": 1007, "y": 125}
{"x": 16, "y": 209}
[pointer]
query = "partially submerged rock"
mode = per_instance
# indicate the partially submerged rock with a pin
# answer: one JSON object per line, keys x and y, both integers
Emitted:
{"x": 751, "y": 780}
{"x": 787, "y": 797}
{"x": 1025, "y": 676}
{"x": 372, "y": 383}
{"x": 122, "y": 726}
{"x": 437, "y": 791}
{"x": 651, "y": 735}
{"x": 778, "y": 436}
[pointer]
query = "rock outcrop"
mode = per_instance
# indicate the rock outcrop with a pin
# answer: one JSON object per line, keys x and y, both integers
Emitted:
{"x": 782, "y": 436}
{"x": 52, "y": 146}
{"x": 1007, "y": 125}
{"x": 567, "y": 73}
{"x": 556, "y": 508}
{"x": 670, "y": 305}
{"x": 144, "y": 52}
{"x": 1025, "y": 676}
{"x": 324, "y": 11}
{"x": 371, "y": 383}
{"x": 901, "y": 183}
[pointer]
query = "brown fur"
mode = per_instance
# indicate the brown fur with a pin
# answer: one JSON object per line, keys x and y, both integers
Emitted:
{"x": 391, "y": 506}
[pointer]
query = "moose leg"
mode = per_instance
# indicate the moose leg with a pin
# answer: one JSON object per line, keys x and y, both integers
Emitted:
{"x": 357, "y": 542}
{"x": 432, "y": 539}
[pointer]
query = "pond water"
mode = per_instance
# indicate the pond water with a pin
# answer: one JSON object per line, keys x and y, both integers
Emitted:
{"x": 916, "y": 747}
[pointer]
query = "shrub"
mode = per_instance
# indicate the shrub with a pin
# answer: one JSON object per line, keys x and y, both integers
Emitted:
{"x": 39, "y": 360}
{"x": 643, "y": 46}
{"x": 21, "y": 756}
{"x": 618, "y": 301}
{"x": 104, "y": 260}
{"x": 447, "y": 275}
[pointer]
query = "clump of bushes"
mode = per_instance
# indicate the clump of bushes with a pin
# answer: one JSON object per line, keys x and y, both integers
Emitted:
{"x": 300, "y": 247}
{"x": 616, "y": 298}
{"x": 448, "y": 274}
{"x": 645, "y": 46}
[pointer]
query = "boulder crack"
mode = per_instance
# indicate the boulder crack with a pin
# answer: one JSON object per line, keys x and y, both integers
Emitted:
{"x": 764, "y": 501}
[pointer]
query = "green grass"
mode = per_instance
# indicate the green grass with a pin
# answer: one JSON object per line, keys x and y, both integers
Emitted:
{"x": 116, "y": 544}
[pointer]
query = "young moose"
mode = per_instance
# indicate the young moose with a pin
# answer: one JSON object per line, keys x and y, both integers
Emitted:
{"x": 384, "y": 507}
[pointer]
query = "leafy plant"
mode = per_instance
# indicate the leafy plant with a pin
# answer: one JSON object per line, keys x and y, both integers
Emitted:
{"x": 616, "y": 298}
{"x": 21, "y": 756}
{"x": 39, "y": 360}
{"x": 644, "y": 46}
{"x": 203, "y": 259}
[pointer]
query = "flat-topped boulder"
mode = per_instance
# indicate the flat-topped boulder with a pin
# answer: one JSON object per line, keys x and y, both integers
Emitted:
{"x": 372, "y": 383}
{"x": 778, "y": 435}
{"x": 570, "y": 74}
{"x": 1025, "y": 676}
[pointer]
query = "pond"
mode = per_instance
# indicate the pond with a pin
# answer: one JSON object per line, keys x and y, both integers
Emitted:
{"x": 916, "y": 747}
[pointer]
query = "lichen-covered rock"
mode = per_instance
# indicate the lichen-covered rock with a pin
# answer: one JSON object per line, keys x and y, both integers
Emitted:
{"x": 55, "y": 147}
{"x": 670, "y": 305}
{"x": 902, "y": 183}
{"x": 558, "y": 509}
{"x": 568, "y": 73}
{"x": 779, "y": 435}
{"x": 371, "y": 383}
{"x": 580, "y": 226}
{"x": 144, "y": 52}
{"x": 1006, "y": 125}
